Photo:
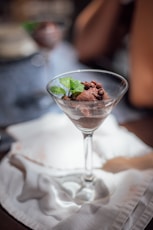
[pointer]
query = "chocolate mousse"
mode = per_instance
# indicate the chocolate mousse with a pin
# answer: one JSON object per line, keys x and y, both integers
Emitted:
{"x": 88, "y": 106}
{"x": 92, "y": 91}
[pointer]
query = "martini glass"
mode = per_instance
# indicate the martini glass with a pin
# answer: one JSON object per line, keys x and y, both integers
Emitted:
{"x": 87, "y": 116}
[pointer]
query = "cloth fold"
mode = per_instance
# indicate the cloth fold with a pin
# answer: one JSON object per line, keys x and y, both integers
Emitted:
{"x": 31, "y": 172}
{"x": 53, "y": 141}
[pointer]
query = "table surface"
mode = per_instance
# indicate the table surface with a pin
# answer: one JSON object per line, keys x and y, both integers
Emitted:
{"x": 143, "y": 128}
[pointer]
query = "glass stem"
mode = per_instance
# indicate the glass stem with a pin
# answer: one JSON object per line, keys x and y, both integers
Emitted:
{"x": 88, "y": 145}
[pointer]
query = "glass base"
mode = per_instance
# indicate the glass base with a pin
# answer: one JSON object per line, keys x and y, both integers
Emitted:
{"x": 77, "y": 190}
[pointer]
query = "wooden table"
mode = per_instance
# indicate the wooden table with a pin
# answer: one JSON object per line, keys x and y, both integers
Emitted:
{"x": 143, "y": 128}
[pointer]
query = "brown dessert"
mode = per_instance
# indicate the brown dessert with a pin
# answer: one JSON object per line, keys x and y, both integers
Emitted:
{"x": 92, "y": 91}
{"x": 90, "y": 108}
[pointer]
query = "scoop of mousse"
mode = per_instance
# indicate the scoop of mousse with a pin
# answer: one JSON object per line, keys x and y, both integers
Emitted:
{"x": 92, "y": 91}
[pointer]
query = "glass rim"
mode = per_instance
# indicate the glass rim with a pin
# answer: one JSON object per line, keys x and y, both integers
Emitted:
{"x": 89, "y": 70}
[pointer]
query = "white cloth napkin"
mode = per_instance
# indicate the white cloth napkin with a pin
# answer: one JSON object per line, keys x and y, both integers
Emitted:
{"x": 53, "y": 140}
{"x": 50, "y": 146}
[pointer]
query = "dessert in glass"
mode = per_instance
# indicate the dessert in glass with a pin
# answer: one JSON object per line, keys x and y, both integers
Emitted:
{"x": 87, "y": 97}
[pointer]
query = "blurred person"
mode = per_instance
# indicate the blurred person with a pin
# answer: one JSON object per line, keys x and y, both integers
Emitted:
{"x": 24, "y": 70}
{"x": 100, "y": 30}
{"x": 24, "y": 74}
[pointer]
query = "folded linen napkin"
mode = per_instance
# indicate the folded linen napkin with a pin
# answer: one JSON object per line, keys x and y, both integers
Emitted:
{"x": 53, "y": 140}
{"x": 30, "y": 192}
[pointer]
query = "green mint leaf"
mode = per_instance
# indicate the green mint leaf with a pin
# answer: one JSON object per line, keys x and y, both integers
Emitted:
{"x": 76, "y": 86}
{"x": 73, "y": 87}
{"x": 57, "y": 90}
{"x": 65, "y": 81}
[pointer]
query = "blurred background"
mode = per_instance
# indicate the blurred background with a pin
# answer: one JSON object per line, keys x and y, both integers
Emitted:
{"x": 29, "y": 31}
{"x": 36, "y": 43}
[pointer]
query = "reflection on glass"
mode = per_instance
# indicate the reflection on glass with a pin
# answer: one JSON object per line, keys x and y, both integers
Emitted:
{"x": 87, "y": 116}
